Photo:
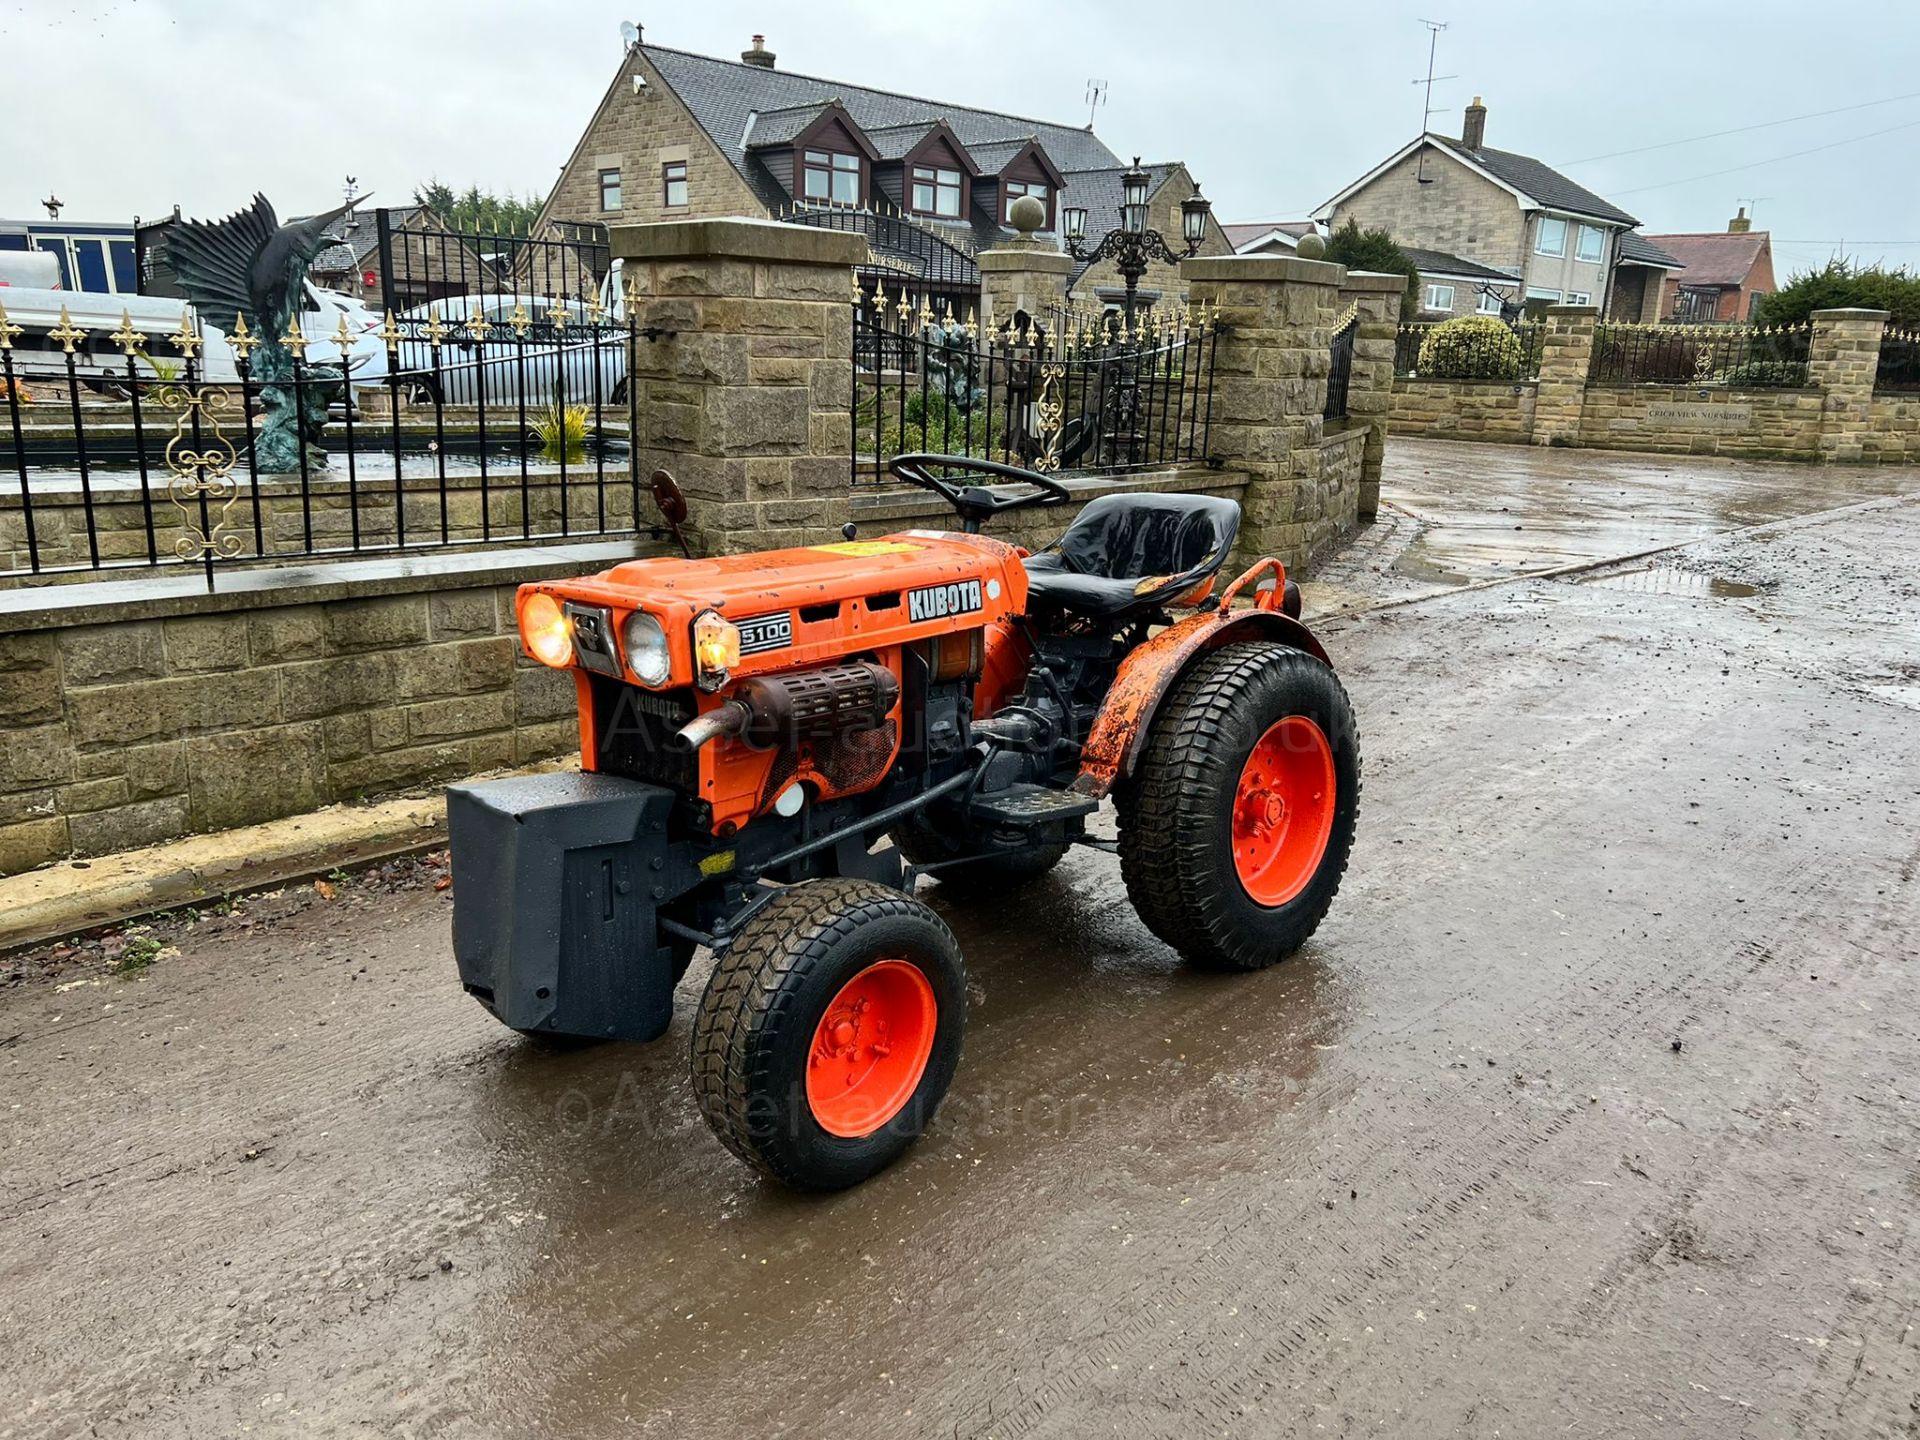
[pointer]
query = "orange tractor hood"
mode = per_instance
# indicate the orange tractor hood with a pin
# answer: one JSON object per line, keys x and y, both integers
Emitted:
{"x": 821, "y": 601}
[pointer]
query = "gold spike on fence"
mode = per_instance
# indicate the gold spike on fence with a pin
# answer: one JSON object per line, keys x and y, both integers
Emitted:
{"x": 126, "y": 337}
{"x": 66, "y": 332}
{"x": 8, "y": 330}
{"x": 243, "y": 341}
{"x": 185, "y": 340}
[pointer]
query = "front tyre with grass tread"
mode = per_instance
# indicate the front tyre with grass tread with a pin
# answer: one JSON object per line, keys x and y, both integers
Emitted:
{"x": 1177, "y": 811}
{"x": 763, "y": 1013}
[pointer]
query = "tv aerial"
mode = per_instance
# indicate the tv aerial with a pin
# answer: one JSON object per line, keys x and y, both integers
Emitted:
{"x": 1096, "y": 97}
{"x": 629, "y": 33}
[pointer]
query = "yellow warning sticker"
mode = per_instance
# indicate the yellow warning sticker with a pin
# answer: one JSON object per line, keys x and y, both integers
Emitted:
{"x": 717, "y": 864}
{"x": 867, "y": 547}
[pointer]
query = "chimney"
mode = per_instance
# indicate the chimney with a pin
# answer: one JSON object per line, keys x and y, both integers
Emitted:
{"x": 1739, "y": 224}
{"x": 1473, "y": 133}
{"x": 759, "y": 54}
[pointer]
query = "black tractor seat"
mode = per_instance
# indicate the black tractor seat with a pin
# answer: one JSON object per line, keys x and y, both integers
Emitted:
{"x": 1127, "y": 553}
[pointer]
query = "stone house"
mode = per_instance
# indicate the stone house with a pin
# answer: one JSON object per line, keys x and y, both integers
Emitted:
{"x": 1551, "y": 238}
{"x": 680, "y": 136}
{"x": 1725, "y": 274}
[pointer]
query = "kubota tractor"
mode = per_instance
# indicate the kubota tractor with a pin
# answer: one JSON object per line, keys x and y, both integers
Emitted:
{"x": 753, "y": 727}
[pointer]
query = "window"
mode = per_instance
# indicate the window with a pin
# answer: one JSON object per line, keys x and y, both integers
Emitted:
{"x": 1697, "y": 305}
{"x": 126, "y": 274}
{"x": 1553, "y": 295}
{"x": 1012, "y": 190}
{"x": 1592, "y": 243}
{"x": 1551, "y": 237}
{"x": 831, "y": 175}
{"x": 1489, "y": 303}
{"x": 673, "y": 183}
{"x": 936, "y": 191}
{"x": 1579, "y": 297}
{"x": 609, "y": 189}
{"x": 1439, "y": 297}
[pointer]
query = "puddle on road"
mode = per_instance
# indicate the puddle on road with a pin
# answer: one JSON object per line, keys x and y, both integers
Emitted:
{"x": 1672, "y": 580}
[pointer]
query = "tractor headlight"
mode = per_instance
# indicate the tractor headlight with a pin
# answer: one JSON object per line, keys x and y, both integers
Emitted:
{"x": 716, "y": 649}
{"x": 546, "y": 631}
{"x": 645, "y": 643}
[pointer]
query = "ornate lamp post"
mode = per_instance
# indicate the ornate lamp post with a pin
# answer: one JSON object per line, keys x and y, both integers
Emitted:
{"x": 1133, "y": 246}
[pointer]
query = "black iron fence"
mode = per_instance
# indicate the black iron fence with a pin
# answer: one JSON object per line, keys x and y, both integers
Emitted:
{"x": 1340, "y": 366}
{"x": 489, "y": 418}
{"x": 1485, "y": 348}
{"x": 906, "y": 254}
{"x": 1899, "y": 367}
{"x": 424, "y": 260}
{"x": 1067, "y": 396}
{"x": 1740, "y": 357}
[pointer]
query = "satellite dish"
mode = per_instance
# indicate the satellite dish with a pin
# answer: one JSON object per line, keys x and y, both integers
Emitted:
{"x": 630, "y": 33}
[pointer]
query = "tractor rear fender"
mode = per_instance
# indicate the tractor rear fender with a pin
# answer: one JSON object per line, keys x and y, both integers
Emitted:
{"x": 1119, "y": 732}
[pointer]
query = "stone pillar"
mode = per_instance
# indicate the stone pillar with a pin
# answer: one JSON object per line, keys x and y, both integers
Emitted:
{"x": 1370, "y": 387}
{"x": 1842, "y": 360}
{"x": 747, "y": 403}
{"x": 1276, "y": 316}
{"x": 1566, "y": 354}
{"x": 1016, "y": 276}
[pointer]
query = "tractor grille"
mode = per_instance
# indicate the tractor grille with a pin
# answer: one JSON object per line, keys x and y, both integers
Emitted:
{"x": 857, "y": 759}
{"x": 632, "y": 726}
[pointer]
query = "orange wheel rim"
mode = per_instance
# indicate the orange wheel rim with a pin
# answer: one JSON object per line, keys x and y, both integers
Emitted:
{"x": 870, "y": 1048}
{"x": 1283, "y": 810}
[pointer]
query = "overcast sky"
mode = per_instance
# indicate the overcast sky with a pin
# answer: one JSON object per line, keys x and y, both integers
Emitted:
{"x": 126, "y": 107}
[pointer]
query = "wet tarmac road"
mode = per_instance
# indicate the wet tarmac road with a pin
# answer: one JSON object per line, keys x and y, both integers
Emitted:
{"x": 1590, "y": 1110}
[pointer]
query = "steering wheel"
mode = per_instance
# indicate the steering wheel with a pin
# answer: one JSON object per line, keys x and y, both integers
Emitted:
{"x": 975, "y": 503}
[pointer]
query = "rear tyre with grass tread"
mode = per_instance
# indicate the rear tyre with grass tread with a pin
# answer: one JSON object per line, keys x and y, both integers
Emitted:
{"x": 766, "y": 1013}
{"x": 1178, "y": 812}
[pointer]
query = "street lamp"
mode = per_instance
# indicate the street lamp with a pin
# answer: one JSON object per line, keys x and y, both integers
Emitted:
{"x": 1133, "y": 245}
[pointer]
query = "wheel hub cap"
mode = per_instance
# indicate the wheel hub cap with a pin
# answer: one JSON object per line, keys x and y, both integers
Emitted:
{"x": 871, "y": 1048}
{"x": 1283, "y": 810}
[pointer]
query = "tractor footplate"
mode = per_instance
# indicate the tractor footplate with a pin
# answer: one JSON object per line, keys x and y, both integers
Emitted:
{"x": 1024, "y": 805}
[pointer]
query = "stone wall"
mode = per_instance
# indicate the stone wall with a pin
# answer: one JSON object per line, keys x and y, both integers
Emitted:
{"x": 1836, "y": 417}
{"x": 748, "y": 402}
{"x": 1493, "y": 410}
{"x": 1752, "y": 424}
{"x": 138, "y": 712}
{"x": 1893, "y": 430}
{"x": 1271, "y": 359}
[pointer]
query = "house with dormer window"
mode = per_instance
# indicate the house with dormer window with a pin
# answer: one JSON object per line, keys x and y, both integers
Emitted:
{"x": 685, "y": 136}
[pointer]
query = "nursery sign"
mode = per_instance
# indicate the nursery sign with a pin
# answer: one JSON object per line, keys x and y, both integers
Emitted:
{"x": 1683, "y": 415}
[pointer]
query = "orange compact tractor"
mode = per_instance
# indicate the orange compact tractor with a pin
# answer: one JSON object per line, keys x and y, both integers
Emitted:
{"x": 753, "y": 727}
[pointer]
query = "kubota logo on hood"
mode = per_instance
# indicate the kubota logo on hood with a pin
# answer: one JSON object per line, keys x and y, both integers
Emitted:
{"x": 936, "y": 602}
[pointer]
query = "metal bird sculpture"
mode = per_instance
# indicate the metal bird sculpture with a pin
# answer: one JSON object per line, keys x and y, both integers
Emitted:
{"x": 250, "y": 264}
